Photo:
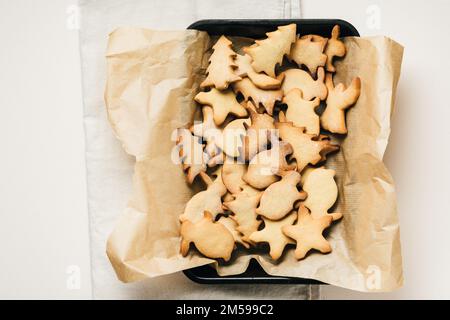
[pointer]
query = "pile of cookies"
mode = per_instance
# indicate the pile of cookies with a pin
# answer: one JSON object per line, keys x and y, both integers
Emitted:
{"x": 260, "y": 150}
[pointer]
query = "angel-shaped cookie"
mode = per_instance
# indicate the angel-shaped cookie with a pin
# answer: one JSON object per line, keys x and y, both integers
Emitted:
{"x": 339, "y": 99}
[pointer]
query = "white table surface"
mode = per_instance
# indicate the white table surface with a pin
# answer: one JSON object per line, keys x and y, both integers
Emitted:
{"x": 44, "y": 228}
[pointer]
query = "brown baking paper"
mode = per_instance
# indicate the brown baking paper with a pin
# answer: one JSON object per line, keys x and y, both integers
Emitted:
{"x": 152, "y": 79}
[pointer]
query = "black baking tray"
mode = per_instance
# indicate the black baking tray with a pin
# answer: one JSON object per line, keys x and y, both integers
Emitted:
{"x": 257, "y": 28}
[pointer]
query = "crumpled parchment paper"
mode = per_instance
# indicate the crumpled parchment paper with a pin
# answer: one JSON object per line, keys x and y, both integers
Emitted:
{"x": 151, "y": 81}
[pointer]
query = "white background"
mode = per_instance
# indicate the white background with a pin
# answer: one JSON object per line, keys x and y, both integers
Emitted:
{"x": 44, "y": 224}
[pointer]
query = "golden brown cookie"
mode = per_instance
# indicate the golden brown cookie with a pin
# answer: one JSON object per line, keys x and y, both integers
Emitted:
{"x": 279, "y": 198}
{"x": 302, "y": 112}
{"x": 208, "y": 200}
{"x": 210, "y": 133}
{"x": 222, "y": 102}
{"x": 191, "y": 154}
{"x": 212, "y": 239}
{"x": 273, "y": 235}
{"x": 300, "y": 79}
{"x": 308, "y": 51}
{"x": 269, "y": 52}
{"x": 232, "y": 173}
{"x": 231, "y": 142}
{"x": 221, "y": 66}
{"x": 334, "y": 48}
{"x": 322, "y": 192}
{"x": 258, "y": 133}
{"x": 244, "y": 211}
{"x": 339, "y": 99}
{"x": 264, "y": 168}
{"x": 266, "y": 98}
{"x": 231, "y": 226}
{"x": 307, "y": 148}
{"x": 307, "y": 232}
{"x": 261, "y": 80}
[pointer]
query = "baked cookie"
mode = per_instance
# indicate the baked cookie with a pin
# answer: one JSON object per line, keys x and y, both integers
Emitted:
{"x": 279, "y": 198}
{"x": 334, "y": 48}
{"x": 207, "y": 200}
{"x": 264, "y": 168}
{"x": 307, "y": 232}
{"x": 220, "y": 72}
{"x": 272, "y": 234}
{"x": 210, "y": 133}
{"x": 258, "y": 133}
{"x": 302, "y": 112}
{"x": 322, "y": 192}
{"x": 232, "y": 173}
{"x": 261, "y": 80}
{"x": 300, "y": 79}
{"x": 212, "y": 239}
{"x": 266, "y": 98}
{"x": 307, "y": 148}
{"x": 243, "y": 207}
{"x": 308, "y": 51}
{"x": 232, "y": 136}
{"x": 191, "y": 154}
{"x": 231, "y": 226}
{"x": 269, "y": 52}
{"x": 339, "y": 99}
{"x": 223, "y": 103}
